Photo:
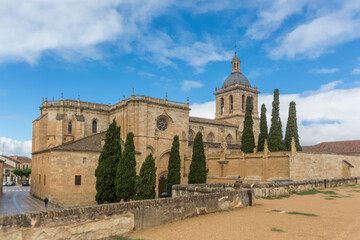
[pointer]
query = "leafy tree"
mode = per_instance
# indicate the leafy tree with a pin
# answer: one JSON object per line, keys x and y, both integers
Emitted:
{"x": 21, "y": 172}
{"x": 198, "y": 169}
{"x": 174, "y": 175}
{"x": 126, "y": 171}
{"x": 146, "y": 182}
{"x": 292, "y": 129}
{"x": 263, "y": 129}
{"x": 247, "y": 138}
{"x": 275, "y": 139}
{"x": 106, "y": 170}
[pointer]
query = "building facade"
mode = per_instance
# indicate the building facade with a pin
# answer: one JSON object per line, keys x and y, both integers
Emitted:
{"x": 153, "y": 121}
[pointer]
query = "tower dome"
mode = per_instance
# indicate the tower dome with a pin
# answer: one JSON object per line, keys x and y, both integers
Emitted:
{"x": 236, "y": 77}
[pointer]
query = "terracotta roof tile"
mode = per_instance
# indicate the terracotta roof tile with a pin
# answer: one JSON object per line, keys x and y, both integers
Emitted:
{"x": 10, "y": 159}
{"x": 7, "y": 166}
{"x": 21, "y": 159}
{"x": 210, "y": 121}
{"x": 339, "y": 147}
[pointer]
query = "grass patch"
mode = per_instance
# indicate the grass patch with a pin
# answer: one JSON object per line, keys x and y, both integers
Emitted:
{"x": 304, "y": 214}
{"x": 124, "y": 238}
{"x": 277, "y": 230}
{"x": 329, "y": 198}
{"x": 309, "y": 192}
{"x": 277, "y": 197}
{"x": 354, "y": 191}
{"x": 315, "y": 191}
{"x": 329, "y": 192}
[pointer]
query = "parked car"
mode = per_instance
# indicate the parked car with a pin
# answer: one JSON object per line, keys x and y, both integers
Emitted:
{"x": 4, "y": 183}
{"x": 10, "y": 183}
{"x": 25, "y": 183}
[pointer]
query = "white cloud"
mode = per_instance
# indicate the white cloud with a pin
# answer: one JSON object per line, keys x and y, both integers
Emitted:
{"x": 146, "y": 74}
{"x": 204, "y": 110}
{"x": 271, "y": 17}
{"x": 319, "y": 36}
{"x": 187, "y": 85}
{"x": 356, "y": 71}
{"x": 76, "y": 30}
{"x": 10, "y": 146}
{"x": 324, "y": 70}
{"x": 330, "y": 113}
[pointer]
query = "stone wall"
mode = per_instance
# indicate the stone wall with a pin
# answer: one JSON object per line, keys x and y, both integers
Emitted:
{"x": 318, "y": 166}
{"x": 262, "y": 190}
{"x": 101, "y": 221}
{"x": 284, "y": 188}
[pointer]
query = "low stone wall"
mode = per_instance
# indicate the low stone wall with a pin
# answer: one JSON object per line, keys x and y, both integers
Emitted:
{"x": 101, "y": 221}
{"x": 262, "y": 190}
{"x": 287, "y": 187}
{"x": 200, "y": 189}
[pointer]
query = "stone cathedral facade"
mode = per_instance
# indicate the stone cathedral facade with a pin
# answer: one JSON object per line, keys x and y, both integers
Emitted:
{"x": 69, "y": 134}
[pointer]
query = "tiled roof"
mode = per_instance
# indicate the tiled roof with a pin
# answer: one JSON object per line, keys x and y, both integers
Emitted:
{"x": 210, "y": 121}
{"x": 90, "y": 143}
{"x": 9, "y": 158}
{"x": 340, "y": 147}
{"x": 7, "y": 166}
{"x": 21, "y": 159}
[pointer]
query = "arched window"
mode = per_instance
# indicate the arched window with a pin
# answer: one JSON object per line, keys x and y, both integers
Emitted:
{"x": 231, "y": 104}
{"x": 210, "y": 138}
{"x": 94, "y": 126}
{"x": 70, "y": 127}
{"x": 191, "y": 136}
{"x": 228, "y": 139}
{"x": 222, "y": 106}
{"x": 243, "y": 102}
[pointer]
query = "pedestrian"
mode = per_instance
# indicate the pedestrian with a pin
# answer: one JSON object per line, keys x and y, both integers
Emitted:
{"x": 46, "y": 200}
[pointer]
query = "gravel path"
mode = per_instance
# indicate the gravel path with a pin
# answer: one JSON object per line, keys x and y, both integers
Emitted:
{"x": 338, "y": 217}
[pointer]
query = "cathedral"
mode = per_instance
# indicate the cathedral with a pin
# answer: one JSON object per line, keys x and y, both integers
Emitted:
{"x": 69, "y": 134}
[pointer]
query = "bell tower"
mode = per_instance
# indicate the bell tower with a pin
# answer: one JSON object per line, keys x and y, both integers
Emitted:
{"x": 231, "y": 99}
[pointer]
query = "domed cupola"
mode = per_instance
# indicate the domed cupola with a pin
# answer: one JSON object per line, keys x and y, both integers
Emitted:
{"x": 236, "y": 77}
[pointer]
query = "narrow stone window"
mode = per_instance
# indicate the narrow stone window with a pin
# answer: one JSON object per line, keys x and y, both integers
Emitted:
{"x": 231, "y": 104}
{"x": 39, "y": 178}
{"x": 243, "y": 102}
{"x": 210, "y": 138}
{"x": 70, "y": 127}
{"x": 77, "y": 180}
{"x": 84, "y": 160}
{"x": 94, "y": 126}
{"x": 228, "y": 139}
{"x": 191, "y": 136}
{"x": 44, "y": 179}
{"x": 222, "y": 106}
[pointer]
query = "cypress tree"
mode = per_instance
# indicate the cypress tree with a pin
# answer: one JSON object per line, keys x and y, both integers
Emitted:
{"x": 146, "y": 182}
{"x": 126, "y": 171}
{"x": 292, "y": 129}
{"x": 173, "y": 176}
{"x": 247, "y": 138}
{"x": 275, "y": 139}
{"x": 198, "y": 169}
{"x": 106, "y": 170}
{"x": 263, "y": 129}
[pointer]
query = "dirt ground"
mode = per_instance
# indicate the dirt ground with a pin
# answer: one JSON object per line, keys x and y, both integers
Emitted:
{"x": 337, "y": 217}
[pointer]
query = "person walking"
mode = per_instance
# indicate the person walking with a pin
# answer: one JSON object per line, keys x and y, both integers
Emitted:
{"x": 46, "y": 200}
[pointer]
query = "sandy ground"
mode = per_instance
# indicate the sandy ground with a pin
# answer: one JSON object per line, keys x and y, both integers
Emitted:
{"x": 338, "y": 218}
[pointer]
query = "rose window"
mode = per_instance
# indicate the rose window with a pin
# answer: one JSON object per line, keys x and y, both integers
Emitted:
{"x": 161, "y": 124}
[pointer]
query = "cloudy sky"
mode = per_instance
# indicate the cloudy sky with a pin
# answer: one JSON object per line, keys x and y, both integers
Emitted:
{"x": 310, "y": 50}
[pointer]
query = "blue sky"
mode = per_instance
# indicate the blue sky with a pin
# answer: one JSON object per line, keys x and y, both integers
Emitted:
{"x": 101, "y": 50}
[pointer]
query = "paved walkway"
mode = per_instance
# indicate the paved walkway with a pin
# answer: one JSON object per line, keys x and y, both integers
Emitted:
{"x": 337, "y": 217}
{"x": 17, "y": 199}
